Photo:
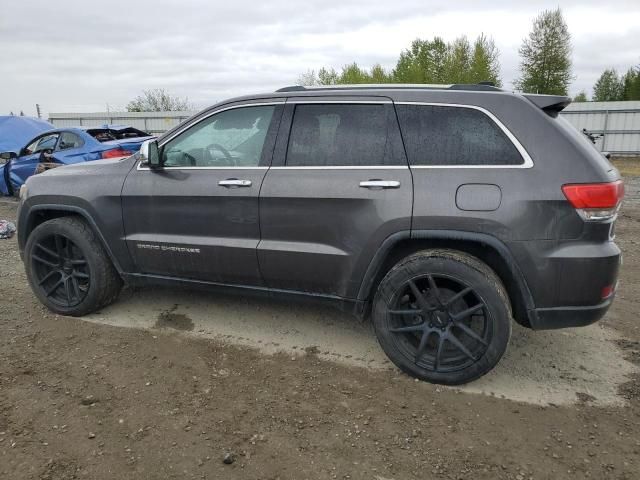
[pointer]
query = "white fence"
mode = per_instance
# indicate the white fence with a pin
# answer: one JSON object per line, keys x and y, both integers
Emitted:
{"x": 152, "y": 122}
{"x": 617, "y": 124}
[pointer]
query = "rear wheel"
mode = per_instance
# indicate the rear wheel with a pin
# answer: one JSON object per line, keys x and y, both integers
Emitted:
{"x": 442, "y": 316}
{"x": 68, "y": 268}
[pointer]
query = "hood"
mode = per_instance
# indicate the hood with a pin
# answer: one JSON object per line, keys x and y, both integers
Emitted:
{"x": 15, "y": 131}
{"x": 92, "y": 167}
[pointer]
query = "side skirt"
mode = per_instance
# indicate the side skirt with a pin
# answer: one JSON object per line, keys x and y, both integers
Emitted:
{"x": 347, "y": 305}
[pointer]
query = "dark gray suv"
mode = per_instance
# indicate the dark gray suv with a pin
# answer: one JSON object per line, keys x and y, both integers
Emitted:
{"x": 442, "y": 212}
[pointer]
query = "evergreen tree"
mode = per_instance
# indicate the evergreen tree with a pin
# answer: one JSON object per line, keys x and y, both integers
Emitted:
{"x": 609, "y": 87}
{"x": 631, "y": 84}
{"x": 545, "y": 63}
{"x": 581, "y": 97}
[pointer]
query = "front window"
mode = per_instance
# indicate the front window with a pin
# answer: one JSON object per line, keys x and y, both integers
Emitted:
{"x": 232, "y": 138}
{"x": 47, "y": 142}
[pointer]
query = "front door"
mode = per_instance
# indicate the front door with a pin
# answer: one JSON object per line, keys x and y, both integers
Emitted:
{"x": 339, "y": 186}
{"x": 197, "y": 217}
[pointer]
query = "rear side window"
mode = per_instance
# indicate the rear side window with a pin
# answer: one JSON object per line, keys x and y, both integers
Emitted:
{"x": 449, "y": 136}
{"x": 68, "y": 141}
{"x": 324, "y": 135}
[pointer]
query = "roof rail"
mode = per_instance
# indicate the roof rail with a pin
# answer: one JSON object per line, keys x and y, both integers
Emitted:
{"x": 482, "y": 86}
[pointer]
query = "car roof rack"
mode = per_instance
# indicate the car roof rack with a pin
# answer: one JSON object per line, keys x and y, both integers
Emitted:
{"x": 478, "y": 87}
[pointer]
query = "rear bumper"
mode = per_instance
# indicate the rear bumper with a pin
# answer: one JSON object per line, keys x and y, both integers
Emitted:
{"x": 563, "y": 317}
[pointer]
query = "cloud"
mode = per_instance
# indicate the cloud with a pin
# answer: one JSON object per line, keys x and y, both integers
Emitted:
{"x": 79, "y": 56}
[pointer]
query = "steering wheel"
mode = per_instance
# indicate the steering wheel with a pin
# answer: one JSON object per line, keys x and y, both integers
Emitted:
{"x": 45, "y": 155}
{"x": 225, "y": 152}
{"x": 191, "y": 158}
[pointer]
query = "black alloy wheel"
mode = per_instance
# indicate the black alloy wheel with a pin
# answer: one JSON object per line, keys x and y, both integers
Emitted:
{"x": 440, "y": 323}
{"x": 60, "y": 270}
{"x": 442, "y": 316}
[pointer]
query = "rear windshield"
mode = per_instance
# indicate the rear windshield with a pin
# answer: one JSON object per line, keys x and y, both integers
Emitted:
{"x": 108, "y": 134}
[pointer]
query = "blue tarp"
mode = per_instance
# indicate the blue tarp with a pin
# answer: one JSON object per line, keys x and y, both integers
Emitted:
{"x": 15, "y": 131}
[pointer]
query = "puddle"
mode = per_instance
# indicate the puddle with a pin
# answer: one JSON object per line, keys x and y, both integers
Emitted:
{"x": 177, "y": 321}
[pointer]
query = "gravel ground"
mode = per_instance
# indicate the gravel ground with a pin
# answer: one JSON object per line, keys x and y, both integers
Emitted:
{"x": 171, "y": 384}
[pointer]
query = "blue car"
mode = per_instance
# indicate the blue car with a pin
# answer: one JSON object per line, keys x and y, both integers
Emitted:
{"x": 66, "y": 146}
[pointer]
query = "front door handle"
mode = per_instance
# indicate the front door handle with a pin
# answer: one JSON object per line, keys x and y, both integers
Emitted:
{"x": 234, "y": 182}
{"x": 380, "y": 184}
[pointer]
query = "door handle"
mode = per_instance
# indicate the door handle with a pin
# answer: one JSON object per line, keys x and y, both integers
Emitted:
{"x": 234, "y": 182}
{"x": 380, "y": 184}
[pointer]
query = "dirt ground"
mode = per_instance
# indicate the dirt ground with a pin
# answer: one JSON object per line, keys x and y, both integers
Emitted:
{"x": 166, "y": 384}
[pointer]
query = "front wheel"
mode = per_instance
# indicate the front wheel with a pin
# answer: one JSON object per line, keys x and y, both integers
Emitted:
{"x": 442, "y": 316}
{"x": 68, "y": 268}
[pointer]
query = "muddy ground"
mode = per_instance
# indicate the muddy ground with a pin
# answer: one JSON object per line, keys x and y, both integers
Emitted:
{"x": 165, "y": 384}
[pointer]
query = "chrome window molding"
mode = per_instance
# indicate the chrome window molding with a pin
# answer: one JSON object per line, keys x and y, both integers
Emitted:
{"x": 527, "y": 160}
{"x": 141, "y": 167}
{"x": 342, "y": 167}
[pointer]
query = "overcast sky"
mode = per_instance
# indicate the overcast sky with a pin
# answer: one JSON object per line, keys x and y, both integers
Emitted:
{"x": 79, "y": 56}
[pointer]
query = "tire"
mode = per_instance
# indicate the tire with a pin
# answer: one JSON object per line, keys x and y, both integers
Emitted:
{"x": 442, "y": 316}
{"x": 68, "y": 268}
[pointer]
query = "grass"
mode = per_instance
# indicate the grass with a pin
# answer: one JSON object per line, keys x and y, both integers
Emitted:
{"x": 628, "y": 166}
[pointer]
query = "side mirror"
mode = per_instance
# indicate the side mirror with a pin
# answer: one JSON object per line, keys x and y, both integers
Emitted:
{"x": 6, "y": 156}
{"x": 149, "y": 154}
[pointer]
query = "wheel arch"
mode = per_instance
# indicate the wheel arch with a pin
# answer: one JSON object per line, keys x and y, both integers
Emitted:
{"x": 39, "y": 214}
{"x": 486, "y": 248}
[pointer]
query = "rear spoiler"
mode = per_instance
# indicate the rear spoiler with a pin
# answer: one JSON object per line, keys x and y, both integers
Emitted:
{"x": 550, "y": 104}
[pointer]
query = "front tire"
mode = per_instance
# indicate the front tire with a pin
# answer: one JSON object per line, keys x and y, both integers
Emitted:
{"x": 442, "y": 316}
{"x": 68, "y": 268}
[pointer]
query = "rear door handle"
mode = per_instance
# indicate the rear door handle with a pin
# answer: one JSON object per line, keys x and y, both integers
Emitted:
{"x": 234, "y": 182}
{"x": 380, "y": 184}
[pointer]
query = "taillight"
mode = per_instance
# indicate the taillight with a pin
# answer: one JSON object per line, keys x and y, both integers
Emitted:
{"x": 595, "y": 201}
{"x": 116, "y": 152}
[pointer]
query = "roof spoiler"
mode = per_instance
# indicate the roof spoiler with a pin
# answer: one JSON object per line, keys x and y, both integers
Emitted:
{"x": 550, "y": 104}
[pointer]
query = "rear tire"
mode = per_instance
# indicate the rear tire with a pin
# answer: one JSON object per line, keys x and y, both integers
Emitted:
{"x": 442, "y": 316}
{"x": 68, "y": 268}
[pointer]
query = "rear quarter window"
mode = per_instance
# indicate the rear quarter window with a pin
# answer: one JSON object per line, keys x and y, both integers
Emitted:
{"x": 454, "y": 136}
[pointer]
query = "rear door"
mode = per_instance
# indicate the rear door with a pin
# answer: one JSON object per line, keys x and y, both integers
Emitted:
{"x": 339, "y": 186}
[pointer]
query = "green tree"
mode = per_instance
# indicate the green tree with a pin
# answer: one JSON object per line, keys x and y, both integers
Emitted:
{"x": 425, "y": 61}
{"x": 545, "y": 64}
{"x": 327, "y": 77}
{"x": 485, "y": 65}
{"x": 631, "y": 84}
{"x": 379, "y": 74}
{"x": 609, "y": 87}
{"x": 352, "y": 74}
{"x": 158, "y": 100}
{"x": 581, "y": 97}
{"x": 414, "y": 64}
{"x": 457, "y": 65}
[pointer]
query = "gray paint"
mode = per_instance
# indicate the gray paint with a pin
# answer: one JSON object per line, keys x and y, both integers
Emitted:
{"x": 316, "y": 231}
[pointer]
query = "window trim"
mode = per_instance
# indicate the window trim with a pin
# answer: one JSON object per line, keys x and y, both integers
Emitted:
{"x": 297, "y": 101}
{"x": 528, "y": 161}
{"x": 203, "y": 118}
